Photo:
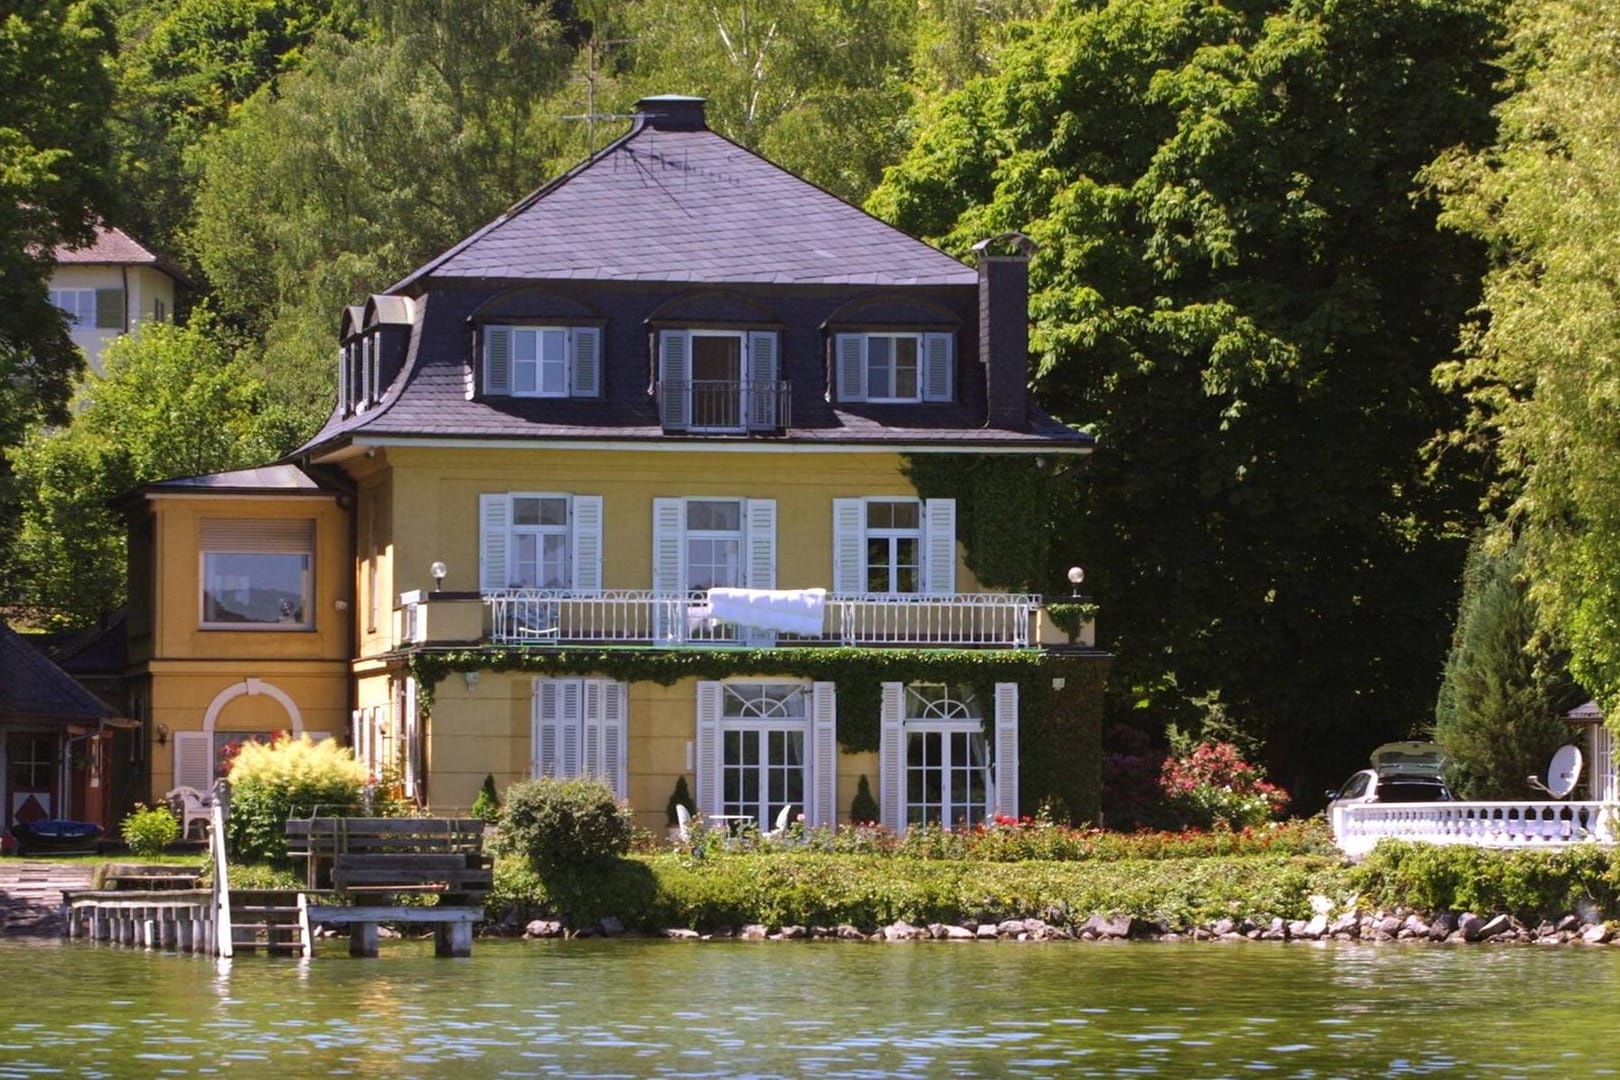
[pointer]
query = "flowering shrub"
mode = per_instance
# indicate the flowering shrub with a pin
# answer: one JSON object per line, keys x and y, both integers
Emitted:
{"x": 148, "y": 830}
{"x": 272, "y": 782}
{"x": 1214, "y": 785}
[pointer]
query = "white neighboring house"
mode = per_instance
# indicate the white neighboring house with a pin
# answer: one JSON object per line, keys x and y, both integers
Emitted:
{"x": 110, "y": 287}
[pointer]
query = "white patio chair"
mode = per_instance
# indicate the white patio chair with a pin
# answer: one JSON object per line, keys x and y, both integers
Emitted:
{"x": 683, "y": 822}
{"x": 191, "y": 806}
{"x": 780, "y": 831}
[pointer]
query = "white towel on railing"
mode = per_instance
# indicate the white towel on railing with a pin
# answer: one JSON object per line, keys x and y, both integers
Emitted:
{"x": 787, "y": 611}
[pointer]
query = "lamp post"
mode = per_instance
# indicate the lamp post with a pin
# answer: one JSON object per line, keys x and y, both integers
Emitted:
{"x": 438, "y": 570}
{"x": 1076, "y": 576}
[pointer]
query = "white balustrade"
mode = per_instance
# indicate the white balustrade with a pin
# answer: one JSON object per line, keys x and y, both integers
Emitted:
{"x": 636, "y": 616}
{"x": 1523, "y": 824}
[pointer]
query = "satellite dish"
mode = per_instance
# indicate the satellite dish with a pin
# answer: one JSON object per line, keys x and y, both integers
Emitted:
{"x": 1564, "y": 772}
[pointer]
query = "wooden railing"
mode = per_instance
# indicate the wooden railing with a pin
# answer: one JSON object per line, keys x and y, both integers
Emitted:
{"x": 1526, "y": 824}
{"x": 632, "y": 616}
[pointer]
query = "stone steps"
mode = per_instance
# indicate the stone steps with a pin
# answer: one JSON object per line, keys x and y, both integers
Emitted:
{"x": 31, "y": 894}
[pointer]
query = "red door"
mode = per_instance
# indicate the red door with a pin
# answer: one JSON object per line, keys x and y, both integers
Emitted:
{"x": 31, "y": 774}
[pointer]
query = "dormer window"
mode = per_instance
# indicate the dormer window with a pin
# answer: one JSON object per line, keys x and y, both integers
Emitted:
{"x": 897, "y": 367}
{"x": 543, "y": 361}
{"x": 723, "y": 381}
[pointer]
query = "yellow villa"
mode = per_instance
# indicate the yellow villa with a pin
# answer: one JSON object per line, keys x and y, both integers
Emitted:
{"x": 635, "y": 482}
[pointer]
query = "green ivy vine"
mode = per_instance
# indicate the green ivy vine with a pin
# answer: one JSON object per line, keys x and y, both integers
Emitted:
{"x": 1002, "y": 505}
{"x": 859, "y": 672}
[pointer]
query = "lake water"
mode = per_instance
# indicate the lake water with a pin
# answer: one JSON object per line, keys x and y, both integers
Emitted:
{"x": 774, "y": 1009}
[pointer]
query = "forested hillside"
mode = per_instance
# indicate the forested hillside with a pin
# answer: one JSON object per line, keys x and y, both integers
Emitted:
{"x": 1310, "y": 271}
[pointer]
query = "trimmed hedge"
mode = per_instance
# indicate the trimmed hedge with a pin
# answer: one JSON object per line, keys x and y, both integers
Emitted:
{"x": 1529, "y": 885}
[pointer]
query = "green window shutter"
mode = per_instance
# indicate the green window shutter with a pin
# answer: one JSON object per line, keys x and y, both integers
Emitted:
{"x": 109, "y": 309}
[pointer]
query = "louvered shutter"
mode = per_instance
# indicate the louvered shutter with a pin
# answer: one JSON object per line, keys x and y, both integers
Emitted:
{"x": 585, "y": 546}
{"x": 674, "y": 378}
{"x": 1006, "y": 776}
{"x": 193, "y": 760}
{"x": 292, "y": 536}
{"x": 669, "y": 569}
{"x": 571, "y": 709}
{"x": 938, "y": 362}
{"x": 591, "y": 727}
{"x": 546, "y": 740}
{"x": 411, "y": 723}
{"x": 109, "y": 309}
{"x": 343, "y": 380}
{"x": 851, "y": 349}
{"x": 939, "y": 546}
{"x": 494, "y": 515}
{"x": 764, "y": 371}
{"x": 760, "y": 555}
{"x": 708, "y": 748}
{"x": 823, "y": 755}
{"x": 497, "y": 359}
{"x": 849, "y": 547}
{"x": 892, "y": 756}
{"x": 610, "y": 721}
{"x": 587, "y": 356}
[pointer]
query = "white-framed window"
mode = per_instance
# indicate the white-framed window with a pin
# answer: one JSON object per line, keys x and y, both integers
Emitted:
{"x": 892, "y": 545}
{"x": 703, "y": 542}
{"x": 720, "y": 380}
{"x": 257, "y": 574}
{"x": 532, "y": 540}
{"x": 938, "y": 764}
{"x": 889, "y": 367}
{"x": 543, "y": 361}
{"x": 579, "y": 730}
{"x": 79, "y": 305}
{"x": 714, "y": 542}
{"x": 765, "y": 746}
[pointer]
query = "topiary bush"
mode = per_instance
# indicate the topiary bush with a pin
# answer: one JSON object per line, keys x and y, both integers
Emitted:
{"x": 148, "y": 830}
{"x": 563, "y": 824}
{"x": 863, "y": 809}
{"x": 272, "y": 782}
{"x": 488, "y": 804}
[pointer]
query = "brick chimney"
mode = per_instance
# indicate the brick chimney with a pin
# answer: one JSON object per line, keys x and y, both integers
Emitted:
{"x": 1004, "y": 328}
{"x": 671, "y": 112}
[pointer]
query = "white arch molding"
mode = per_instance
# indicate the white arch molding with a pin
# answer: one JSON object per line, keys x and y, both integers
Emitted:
{"x": 252, "y": 687}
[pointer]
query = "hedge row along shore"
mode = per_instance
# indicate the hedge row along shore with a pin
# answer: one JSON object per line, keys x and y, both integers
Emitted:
{"x": 1401, "y": 891}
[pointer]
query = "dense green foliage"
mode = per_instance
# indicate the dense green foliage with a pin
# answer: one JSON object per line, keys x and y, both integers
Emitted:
{"x": 1540, "y": 370}
{"x": 148, "y": 830}
{"x": 288, "y": 778}
{"x": 1499, "y": 714}
{"x": 1530, "y": 885}
{"x": 487, "y": 804}
{"x": 1241, "y": 291}
{"x": 563, "y": 824}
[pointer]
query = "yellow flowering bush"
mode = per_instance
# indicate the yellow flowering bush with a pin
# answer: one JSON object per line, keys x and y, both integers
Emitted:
{"x": 271, "y": 782}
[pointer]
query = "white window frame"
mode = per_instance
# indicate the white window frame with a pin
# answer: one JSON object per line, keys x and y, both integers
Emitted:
{"x": 671, "y": 549}
{"x": 936, "y": 367}
{"x": 723, "y": 708}
{"x": 922, "y": 710}
{"x": 577, "y": 353}
{"x": 579, "y": 728}
{"x": 498, "y": 534}
{"x": 79, "y": 305}
{"x": 246, "y": 536}
{"x": 937, "y": 549}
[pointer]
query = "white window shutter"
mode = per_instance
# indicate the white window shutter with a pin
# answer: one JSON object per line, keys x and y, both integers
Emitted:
{"x": 763, "y": 372}
{"x": 585, "y": 547}
{"x": 851, "y": 362}
{"x": 571, "y": 706}
{"x": 547, "y": 734}
{"x": 939, "y": 547}
{"x": 193, "y": 760}
{"x": 669, "y": 569}
{"x": 343, "y": 380}
{"x": 708, "y": 748}
{"x": 849, "y": 547}
{"x": 892, "y": 756}
{"x": 939, "y": 357}
{"x": 761, "y": 543}
{"x": 823, "y": 787}
{"x": 674, "y": 378}
{"x": 1006, "y": 778}
{"x": 497, "y": 359}
{"x": 494, "y": 514}
{"x": 411, "y": 732}
{"x": 591, "y": 727}
{"x": 614, "y": 741}
{"x": 587, "y": 362}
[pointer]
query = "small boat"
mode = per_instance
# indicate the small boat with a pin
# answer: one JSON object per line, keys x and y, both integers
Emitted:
{"x": 56, "y": 835}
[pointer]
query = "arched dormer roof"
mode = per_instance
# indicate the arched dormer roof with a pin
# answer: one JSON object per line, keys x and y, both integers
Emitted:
{"x": 892, "y": 309}
{"x": 539, "y": 302}
{"x": 713, "y": 306}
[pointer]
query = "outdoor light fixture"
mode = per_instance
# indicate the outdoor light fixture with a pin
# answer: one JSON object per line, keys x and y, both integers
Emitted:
{"x": 1076, "y": 576}
{"x": 163, "y": 734}
{"x": 438, "y": 570}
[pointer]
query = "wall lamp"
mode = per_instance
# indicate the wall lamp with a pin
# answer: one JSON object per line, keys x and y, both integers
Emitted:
{"x": 438, "y": 570}
{"x": 163, "y": 734}
{"x": 1076, "y": 576}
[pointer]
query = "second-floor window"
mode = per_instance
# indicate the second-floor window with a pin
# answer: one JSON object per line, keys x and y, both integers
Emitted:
{"x": 892, "y": 546}
{"x": 720, "y": 381}
{"x": 543, "y": 361}
{"x": 898, "y": 367}
{"x": 257, "y": 574}
{"x": 79, "y": 305}
{"x": 540, "y": 541}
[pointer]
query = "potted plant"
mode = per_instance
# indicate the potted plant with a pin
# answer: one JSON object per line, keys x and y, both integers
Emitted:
{"x": 681, "y": 796}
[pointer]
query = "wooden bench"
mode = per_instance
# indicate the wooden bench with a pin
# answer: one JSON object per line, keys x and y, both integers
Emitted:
{"x": 371, "y": 863}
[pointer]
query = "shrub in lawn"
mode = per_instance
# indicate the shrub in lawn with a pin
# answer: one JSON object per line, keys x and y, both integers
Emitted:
{"x": 1212, "y": 784}
{"x": 487, "y": 805}
{"x": 563, "y": 824}
{"x": 148, "y": 830}
{"x": 275, "y": 781}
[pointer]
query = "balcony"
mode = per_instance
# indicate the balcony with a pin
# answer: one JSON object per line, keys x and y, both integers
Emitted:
{"x": 1508, "y": 824}
{"x": 726, "y": 405}
{"x": 642, "y": 617}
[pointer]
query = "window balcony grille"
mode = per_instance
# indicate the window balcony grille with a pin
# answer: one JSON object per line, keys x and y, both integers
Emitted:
{"x": 727, "y": 405}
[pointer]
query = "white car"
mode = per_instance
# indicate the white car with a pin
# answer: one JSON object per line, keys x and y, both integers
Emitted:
{"x": 1403, "y": 772}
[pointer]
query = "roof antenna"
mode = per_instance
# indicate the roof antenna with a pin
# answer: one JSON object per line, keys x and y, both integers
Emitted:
{"x": 593, "y": 50}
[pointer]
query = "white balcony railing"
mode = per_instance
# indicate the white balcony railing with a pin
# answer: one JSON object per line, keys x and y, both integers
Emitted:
{"x": 1527, "y": 824}
{"x": 642, "y": 617}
